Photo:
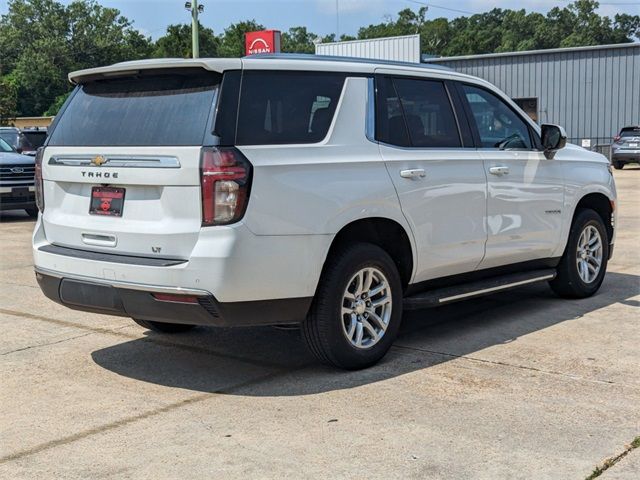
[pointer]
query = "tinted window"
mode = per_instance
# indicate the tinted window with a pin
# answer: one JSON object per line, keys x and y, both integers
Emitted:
{"x": 428, "y": 113}
{"x": 287, "y": 107}
{"x": 498, "y": 126}
{"x": 171, "y": 109}
{"x": 390, "y": 125}
{"x": 32, "y": 140}
{"x": 418, "y": 113}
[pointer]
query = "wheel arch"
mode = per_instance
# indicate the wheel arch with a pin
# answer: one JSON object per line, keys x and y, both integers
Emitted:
{"x": 384, "y": 232}
{"x": 602, "y": 205}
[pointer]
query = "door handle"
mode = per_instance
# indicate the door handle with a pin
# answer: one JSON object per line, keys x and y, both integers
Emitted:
{"x": 413, "y": 173}
{"x": 500, "y": 170}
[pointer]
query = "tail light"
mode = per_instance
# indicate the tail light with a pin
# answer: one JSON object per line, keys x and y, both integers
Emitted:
{"x": 617, "y": 139}
{"x": 38, "y": 180}
{"x": 225, "y": 179}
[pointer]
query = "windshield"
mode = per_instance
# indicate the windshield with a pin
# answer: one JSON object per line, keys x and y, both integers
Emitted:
{"x": 151, "y": 110}
{"x": 10, "y": 137}
{"x": 5, "y": 147}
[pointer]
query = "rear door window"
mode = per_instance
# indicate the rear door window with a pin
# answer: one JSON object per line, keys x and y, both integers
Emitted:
{"x": 416, "y": 113}
{"x": 170, "y": 109}
{"x": 287, "y": 107}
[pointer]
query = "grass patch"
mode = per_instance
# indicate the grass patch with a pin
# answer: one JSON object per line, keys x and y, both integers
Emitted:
{"x": 610, "y": 462}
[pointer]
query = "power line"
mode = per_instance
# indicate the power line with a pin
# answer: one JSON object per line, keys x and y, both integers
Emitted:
{"x": 431, "y": 5}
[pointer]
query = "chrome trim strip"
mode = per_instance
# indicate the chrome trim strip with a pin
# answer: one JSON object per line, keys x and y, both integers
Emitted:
{"x": 496, "y": 289}
{"x": 126, "y": 285}
{"x": 120, "y": 161}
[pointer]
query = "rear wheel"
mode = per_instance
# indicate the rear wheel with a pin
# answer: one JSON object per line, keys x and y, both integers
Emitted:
{"x": 584, "y": 263}
{"x": 618, "y": 165}
{"x": 357, "y": 310}
{"x": 162, "y": 327}
{"x": 32, "y": 212}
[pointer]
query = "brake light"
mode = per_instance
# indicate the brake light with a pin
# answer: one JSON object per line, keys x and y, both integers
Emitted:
{"x": 225, "y": 178}
{"x": 39, "y": 185}
{"x": 616, "y": 138}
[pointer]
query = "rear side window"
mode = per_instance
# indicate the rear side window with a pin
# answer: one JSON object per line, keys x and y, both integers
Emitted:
{"x": 287, "y": 107}
{"x": 151, "y": 110}
{"x": 416, "y": 113}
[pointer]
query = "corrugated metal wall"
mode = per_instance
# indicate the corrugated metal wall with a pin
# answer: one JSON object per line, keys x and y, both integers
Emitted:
{"x": 402, "y": 49}
{"x": 592, "y": 92}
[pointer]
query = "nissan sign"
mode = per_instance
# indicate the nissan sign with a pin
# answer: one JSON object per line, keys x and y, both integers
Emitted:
{"x": 265, "y": 41}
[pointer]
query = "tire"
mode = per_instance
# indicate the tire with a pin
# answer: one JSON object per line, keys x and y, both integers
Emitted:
{"x": 326, "y": 327}
{"x": 162, "y": 327}
{"x": 618, "y": 165}
{"x": 32, "y": 212}
{"x": 568, "y": 282}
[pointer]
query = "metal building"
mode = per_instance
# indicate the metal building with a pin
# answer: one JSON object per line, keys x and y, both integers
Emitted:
{"x": 404, "y": 49}
{"x": 591, "y": 91}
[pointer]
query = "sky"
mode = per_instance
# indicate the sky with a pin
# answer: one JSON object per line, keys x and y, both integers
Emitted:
{"x": 151, "y": 17}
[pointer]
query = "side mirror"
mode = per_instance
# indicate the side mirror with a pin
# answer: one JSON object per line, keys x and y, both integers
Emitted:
{"x": 553, "y": 139}
{"x": 19, "y": 149}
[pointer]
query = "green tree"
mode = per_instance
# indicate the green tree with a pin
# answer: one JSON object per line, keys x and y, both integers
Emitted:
{"x": 232, "y": 40}
{"x": 8, "y": 99}
{"x": 55, "y": 107}
{"x": 176, "y": 43}
{"x": 300, "y": 40}
{"x": 42, "y": 40}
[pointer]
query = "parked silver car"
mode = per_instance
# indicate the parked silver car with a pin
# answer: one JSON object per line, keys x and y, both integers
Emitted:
{"x": 626, "y": 147}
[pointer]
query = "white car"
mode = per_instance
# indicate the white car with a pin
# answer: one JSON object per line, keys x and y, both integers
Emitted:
{"x": 327, "y": 192}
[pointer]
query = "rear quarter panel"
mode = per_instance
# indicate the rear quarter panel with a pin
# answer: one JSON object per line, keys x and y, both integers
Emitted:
{"x": 317, "y": 189}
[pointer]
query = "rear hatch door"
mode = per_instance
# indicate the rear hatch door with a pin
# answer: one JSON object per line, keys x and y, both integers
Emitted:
{"x": 121, "y": 168}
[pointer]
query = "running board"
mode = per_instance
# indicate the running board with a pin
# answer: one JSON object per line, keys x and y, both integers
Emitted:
{"x": 441, "y": 296}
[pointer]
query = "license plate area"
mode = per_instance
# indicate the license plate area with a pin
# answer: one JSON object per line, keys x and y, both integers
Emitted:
{"x": 107, "y": 201}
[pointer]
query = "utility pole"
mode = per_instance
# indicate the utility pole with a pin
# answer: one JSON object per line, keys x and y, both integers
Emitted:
{"x": 195, "y": 10}
{"x": 337, "y": 20}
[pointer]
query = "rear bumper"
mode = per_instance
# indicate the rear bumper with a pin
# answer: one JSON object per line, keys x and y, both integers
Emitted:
{"x": 137, "y": 301}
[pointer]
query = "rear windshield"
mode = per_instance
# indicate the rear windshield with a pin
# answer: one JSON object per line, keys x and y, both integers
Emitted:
{"x": 630, "y": 132}
{"x": 33, "y": 140}
{"x": 287, "y": 107}
{"x": 154, "y": 110}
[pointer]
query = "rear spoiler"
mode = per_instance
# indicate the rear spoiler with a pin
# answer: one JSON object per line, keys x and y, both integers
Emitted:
{"x": 131, "y": 68}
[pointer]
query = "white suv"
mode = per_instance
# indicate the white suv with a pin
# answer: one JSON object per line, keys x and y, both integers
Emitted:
{"x": 331, "y": 193}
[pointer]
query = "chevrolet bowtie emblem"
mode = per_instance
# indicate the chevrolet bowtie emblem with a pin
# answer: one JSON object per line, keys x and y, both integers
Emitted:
{"x": 98, "y": 161}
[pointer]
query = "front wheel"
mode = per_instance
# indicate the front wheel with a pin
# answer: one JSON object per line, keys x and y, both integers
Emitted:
{"x": 584, "y": 263}
{"x": 618, "y": 165}
{"x": 32, "y": 212}
{"x": 357, "y": 309}
{"x": 162, "y": 327}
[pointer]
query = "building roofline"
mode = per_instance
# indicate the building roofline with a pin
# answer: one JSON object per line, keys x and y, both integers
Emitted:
{"x": 533, "y": 52}
{"x": 366, "y": 40}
